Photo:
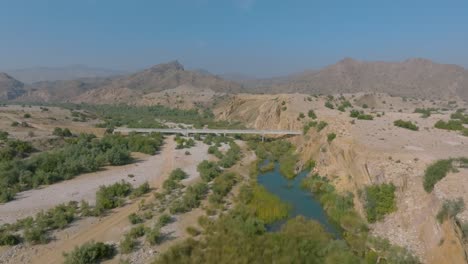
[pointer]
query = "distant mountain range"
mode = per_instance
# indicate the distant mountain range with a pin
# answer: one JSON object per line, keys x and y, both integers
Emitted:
{"x": 71, "y": 72}
{"x": 412, "y": 78}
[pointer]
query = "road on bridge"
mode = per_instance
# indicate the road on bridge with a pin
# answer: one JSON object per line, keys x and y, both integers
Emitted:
{"x": 186, "y": 131}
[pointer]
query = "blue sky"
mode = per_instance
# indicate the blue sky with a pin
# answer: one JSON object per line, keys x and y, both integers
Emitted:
{"x": 255, "y": 37}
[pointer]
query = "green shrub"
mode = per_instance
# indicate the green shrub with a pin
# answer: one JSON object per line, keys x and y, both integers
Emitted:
{"x": 173, "y": 182}
{"x": 436, "y": 172}
{"x": 164, "y": 219}
{"x": 192, "y": 231}
{"x": 36, "y": 235}
{"x": 153, "y": 236}
{"x": 329, "y": 104}
{"x": 109, "y": 197}
{"x": 8, "y": 239}
{"x": 222, "y": 185}
{"x": 62, "y": 132}
{"x": 127, "y": 245}
{"x": 312, "y": 114}
{"x": 137, "y": 231}
{"x": 3, "y": 135}
{"x": 144, "y": 188}
{"x": 380, "y": 200}
{"x": 450, "y": 209}
{"x": 321, "y": 125}
{"x": 208, "y": 170}
{"x": 449, "y": 125}
{"x": 135, "y": 219}
{"x": 406, "y": 124}
{"x": 331, "y": 137}
{"x": 88, "y": 253}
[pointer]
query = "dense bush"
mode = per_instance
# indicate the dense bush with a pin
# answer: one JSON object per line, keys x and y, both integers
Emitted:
{"x": 208, "y": 170}
{"x": 264, "y": 205}
{"x": 450, "y": 209}
{"x": 222, "y": 185}
{"x": 112, "y": 196}
{"x": 380, "y": 200}
{"x": 164, "y": 219}
{"x": 312, "y": 114}
{"x": 449, "y": 125}
{"x": 62, "y": 132}
{"x": 360, "y": 115}
{"x": 127, "y": 244}
{"x": 144, "y": 188}
{"x": 329, "y": 104}
{"x": 8, "y": 239}
{"x": 321, "y": 125}
{"x": 231, "y": 157}
{"x": 89, "y": 253}
{"x": 3, "y": 135}
{"x": 191, "y": 198}
{"x": 152, "y": 116}
{"x": 80, "y": 155}
{"x": 135, "y": 219}
{"x": 331, "y": 137}
{"x": 153, "y": 236}
{"x": 173, "y": 182}
{"x": 425, "y": 112}
{"x": 406, "y": 124}
{"x": 436, "y": 172}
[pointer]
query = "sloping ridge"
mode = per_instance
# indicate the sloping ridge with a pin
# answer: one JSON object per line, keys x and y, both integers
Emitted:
{"x": 413, "y": 78}
{"x": 156, "y": 79}
{"x": 10, "y": 88}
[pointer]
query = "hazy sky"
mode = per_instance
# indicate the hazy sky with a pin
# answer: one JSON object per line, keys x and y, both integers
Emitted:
{"x": 256, "y": 37}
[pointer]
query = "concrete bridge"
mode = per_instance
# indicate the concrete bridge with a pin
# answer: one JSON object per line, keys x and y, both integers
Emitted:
{"x": 188, "y": 131}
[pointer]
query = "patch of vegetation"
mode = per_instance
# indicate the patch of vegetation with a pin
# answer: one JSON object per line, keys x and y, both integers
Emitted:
{"x": 208, "y": 170}
{"x": 222, "y": 185}
{"x": 239, "y": 235}
{"x": 450, "y": 209}
{"x": 153, "y": 236}
{"x": 460, "y": 115}
{"x": 277, "y": 151}
{"x": 112, "y": 196}
{"x": 312, "y": 114}
{"x": 436, "y": 172}
{"x": 183, "y": 142}
{"x": 82, "y": 154}
{"x": 264, "y": 205}
{"x": 360, "y": 115}
{"x": 329, "y": 104}
{"x": 406, "y": 124}
{"x": 127, "y": 245}
{"x": 153, "y": 116}
{"x": 449, "y": 125}
{"x": 321, "y": 125}
{"x": 331, "y": 137}
{"x": 65, "y": 132}
{"x": 191, "y": 198}
{"x": 91, "y": 252}
{"x": 173, "y": 182}
{"x": 309, "y": 125}
{"x": 380, "y": 201}
{"x": 426, "y": 112}
{"x": 135, "y": 219}
{"x": 340, "y": 210}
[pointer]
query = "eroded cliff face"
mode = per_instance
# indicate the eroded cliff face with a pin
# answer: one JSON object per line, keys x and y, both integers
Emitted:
{"x": 371, "y": 152}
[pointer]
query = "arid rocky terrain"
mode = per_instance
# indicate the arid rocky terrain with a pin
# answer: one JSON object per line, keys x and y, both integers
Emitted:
{"x": 363, "y": 151}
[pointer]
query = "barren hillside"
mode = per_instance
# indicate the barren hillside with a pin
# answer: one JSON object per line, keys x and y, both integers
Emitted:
{"x": 418, "y": 78}
{"x": 10, "y": 88}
